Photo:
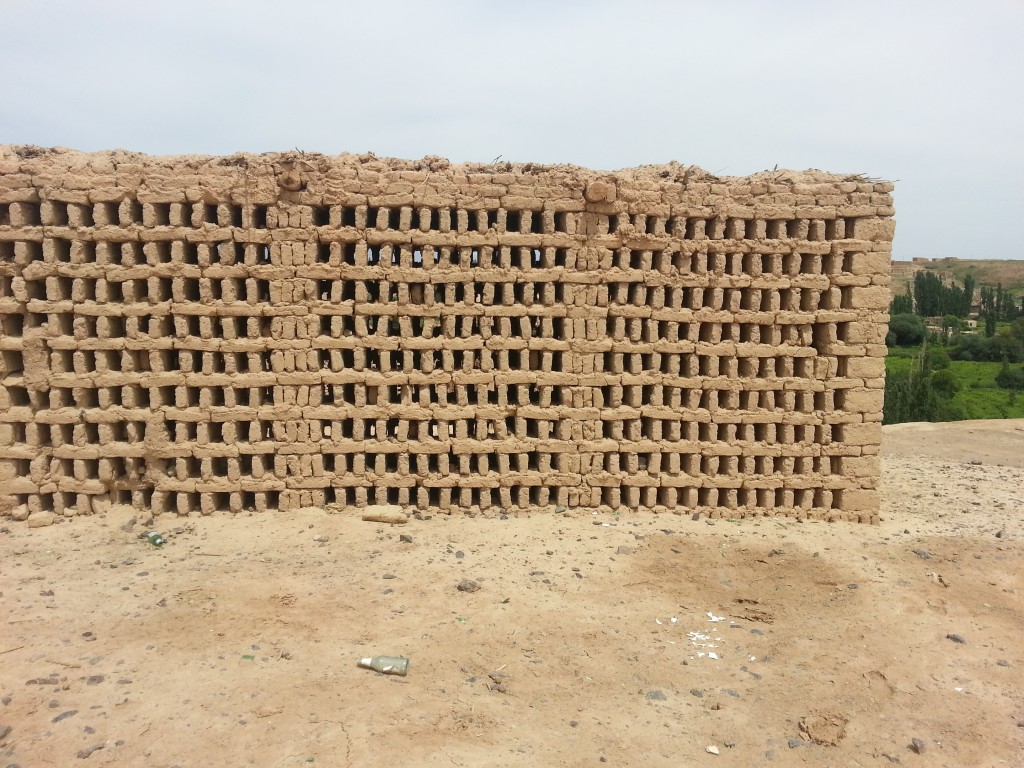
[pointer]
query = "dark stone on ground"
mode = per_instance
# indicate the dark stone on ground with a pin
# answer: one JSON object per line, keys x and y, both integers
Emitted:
{"x": 82, "y": 754}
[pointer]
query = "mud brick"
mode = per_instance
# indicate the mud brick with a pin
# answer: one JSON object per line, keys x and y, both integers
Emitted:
{"x": 511, "y": 343}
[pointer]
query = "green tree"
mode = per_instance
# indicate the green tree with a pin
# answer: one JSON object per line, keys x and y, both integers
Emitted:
{"x": 897, "y": 407}
{"x": 933, "y": 299}
{"x": 968, "y": 296}
{"x": 902, "y": 304}
{"x": 938, "y": 358}
{"x": 922, "y": 393}
{"x": 950, "y": 326}
{"x": 905, "y": 331}
{"x": 1002, "y": 346}
{"x": 950, "y": 410}
{"x": 1010, "y": 378}
{"x": 927, "y": 288}
{"x": 945, "y": 384}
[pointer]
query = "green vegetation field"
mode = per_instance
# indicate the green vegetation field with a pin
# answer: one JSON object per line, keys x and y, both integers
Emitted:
{"x": 938, "y": 368}
{"x": 979, "y": 396}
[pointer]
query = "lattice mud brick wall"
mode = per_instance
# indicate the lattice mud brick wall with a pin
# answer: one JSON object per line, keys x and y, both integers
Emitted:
{"x": 191, "y": 334}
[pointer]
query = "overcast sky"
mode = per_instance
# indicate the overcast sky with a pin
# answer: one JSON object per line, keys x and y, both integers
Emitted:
{"x": 930, "y": 94}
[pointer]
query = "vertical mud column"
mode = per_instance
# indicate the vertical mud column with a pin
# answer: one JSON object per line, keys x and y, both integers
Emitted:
{"x": 293, "y": 290}
{"x": 24, "y": 454}
{"x": 597, "y": 366}
{"x": 584, "y": 290}
{"x": 858, "y": 394}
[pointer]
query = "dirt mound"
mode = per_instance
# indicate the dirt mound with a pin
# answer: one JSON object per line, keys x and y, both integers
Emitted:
{"x": 825, "y": 729}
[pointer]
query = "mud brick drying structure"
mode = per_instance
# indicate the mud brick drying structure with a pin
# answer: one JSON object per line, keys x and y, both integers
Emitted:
{"x": 190, "y": 334}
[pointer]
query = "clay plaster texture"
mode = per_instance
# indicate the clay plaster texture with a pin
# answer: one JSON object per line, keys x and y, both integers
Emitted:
{"x": 193, "y": 334}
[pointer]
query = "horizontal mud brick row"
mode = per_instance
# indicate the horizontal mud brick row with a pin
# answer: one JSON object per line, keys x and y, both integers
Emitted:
{"x": 262, "y": 333}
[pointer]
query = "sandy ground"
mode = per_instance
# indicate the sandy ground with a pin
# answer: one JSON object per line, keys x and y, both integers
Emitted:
{"x": 629, "y": 640}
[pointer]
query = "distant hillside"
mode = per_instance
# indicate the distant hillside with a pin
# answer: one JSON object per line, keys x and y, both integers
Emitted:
{"x": 985, "y": 271}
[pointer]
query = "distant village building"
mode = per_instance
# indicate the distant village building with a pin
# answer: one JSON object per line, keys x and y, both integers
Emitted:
{"x": 907, "y": 269}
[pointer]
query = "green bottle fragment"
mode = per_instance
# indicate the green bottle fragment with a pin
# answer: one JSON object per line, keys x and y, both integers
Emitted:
{"x": 155, "y": 539}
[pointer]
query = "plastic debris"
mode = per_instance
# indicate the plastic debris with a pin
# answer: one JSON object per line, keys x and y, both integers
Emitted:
{"x": 386, "y": 665}
{"x": 701, "y": 640}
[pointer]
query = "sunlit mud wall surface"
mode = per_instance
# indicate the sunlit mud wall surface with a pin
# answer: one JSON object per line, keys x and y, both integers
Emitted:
{"x": 191, "y": 334}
